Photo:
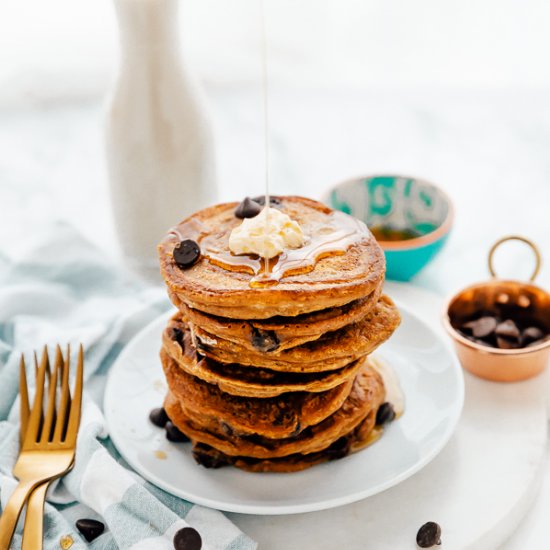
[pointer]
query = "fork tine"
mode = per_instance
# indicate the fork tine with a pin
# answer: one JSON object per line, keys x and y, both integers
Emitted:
{"x": 65, "y": 399}
{"x": 52, "y": 393}
{"x": 31, "y": 435}
{"x": 74, "y": 416}
{"x": 24, "y": 409}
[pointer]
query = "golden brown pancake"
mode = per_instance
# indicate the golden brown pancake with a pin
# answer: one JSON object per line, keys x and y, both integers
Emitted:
{"x": 331, "y": 351}
{"x": 334, "y": 281}
{"x": 366, "y": 396}
{"x": 275, "y": 417}
{"x": 280, "y": 333}
{"x": 365, "y": 434}
{"x": 236, "y": 379}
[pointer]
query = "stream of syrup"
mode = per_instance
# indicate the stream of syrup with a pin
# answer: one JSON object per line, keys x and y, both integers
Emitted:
{"x": 330, "y": 237}
{"x": 263, "y": 29}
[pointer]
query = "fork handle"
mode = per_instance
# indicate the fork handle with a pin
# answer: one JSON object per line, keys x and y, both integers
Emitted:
{"x": 33, "y": 533}
{"x": 12, "y": 511}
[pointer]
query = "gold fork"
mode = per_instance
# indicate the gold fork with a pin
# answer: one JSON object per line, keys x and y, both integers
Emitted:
{"x": 34, "y": 520}
{"x": 49, "y": 444}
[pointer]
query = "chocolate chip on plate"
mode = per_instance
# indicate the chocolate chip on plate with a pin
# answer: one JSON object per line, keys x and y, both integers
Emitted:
{"x": 482, "y": 327}
{"x": 90, "y": 528}
{"x": 429, "y": 535}
{"x": 158, "y": 417}
{"x": 508, "y": 329}
{"x": 186, "y": 253}
{"x": 531, "y": 334}
{"x": 174, "y": 434}
{"x": 386, "y": 413}
{"x": 187, "y": 539}
{"x": 264, "y": 340}
{"x": 248, "y": 208}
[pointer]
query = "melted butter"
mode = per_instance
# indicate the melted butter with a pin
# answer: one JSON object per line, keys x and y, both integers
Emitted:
{"x": 330, "y": 238}
{"x": 394, "y": 393}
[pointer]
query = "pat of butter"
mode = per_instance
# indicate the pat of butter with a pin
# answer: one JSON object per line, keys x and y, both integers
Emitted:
{"x": 267, "y": 234}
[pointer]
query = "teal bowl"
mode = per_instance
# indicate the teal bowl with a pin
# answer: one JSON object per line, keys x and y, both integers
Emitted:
{"x": 410, "y": 217}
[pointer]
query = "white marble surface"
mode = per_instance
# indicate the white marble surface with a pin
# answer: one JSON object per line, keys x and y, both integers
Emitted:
{"x": 488, "y": 150}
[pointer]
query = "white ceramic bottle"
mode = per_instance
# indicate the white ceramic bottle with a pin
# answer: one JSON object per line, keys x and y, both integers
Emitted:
{"x": 160, "y": 153}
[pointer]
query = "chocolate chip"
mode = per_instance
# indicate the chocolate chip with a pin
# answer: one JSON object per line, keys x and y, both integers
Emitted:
{"x": 174, "y": 434}
{"x": 265, "y": 340}
{"x": 186, "y": 253}
{"x": 158, "y": 417}
{"x": 429, "y": 535}
{"x": 177, "y": 336}
{"x": 482, "y": 327}
{"x": 187, "y": 539}
{"x": 340, "y": 448}
{"x": 208, "y": 459}
{"x": 531, "y": 334}
{"x": 386, "y": 413}
{"x": 508, "y": 329}
{"x": 273, "y": 201}
{"x": 504, "y": 343}
{"x": 90, "y": 528}
{"x": 248, "y": 208}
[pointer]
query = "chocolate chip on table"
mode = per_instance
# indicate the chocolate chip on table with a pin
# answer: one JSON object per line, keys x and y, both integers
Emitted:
{"x": 187, "y": 539}
{"x": 482, "y": 327}
{"x": 531, "y": 335}
{"x": 248, "y": 208}
{"x": 186, "y": 253}
{"x": 386, "y": 413}
{"x": 174, "y": 434}
{"x": 90, "y": 528}
{"x": 508, "y": 329}
{"x": 264, "y": 340}
{"x": 158, "y": 417}
{"x": 429, "y": 535}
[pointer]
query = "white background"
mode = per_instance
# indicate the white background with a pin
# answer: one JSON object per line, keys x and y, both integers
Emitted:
{"x": 455, "y": 91}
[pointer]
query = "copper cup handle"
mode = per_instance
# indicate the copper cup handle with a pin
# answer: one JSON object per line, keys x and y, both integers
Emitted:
{"x": 528, "y": 242}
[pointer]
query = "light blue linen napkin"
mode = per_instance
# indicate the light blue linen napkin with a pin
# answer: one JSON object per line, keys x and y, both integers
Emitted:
{"x": 65, "y": 290}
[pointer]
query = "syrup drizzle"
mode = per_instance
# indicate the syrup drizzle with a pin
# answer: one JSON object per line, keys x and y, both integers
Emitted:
{"x": 328, "y": 238}
{"x": 263, "y": 28}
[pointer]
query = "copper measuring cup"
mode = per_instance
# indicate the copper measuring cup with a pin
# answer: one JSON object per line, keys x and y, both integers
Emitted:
{"x": 510, "y": 299}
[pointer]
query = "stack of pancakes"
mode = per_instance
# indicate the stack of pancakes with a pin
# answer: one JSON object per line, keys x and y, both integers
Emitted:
{"x": 274, "y": 377}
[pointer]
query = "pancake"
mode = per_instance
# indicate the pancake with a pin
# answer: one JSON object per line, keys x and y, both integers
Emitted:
{"x": 366, "y": 396}
{"x": 280, "y": 333}
{"x": 275, "y": 417}
{"x": 335, "y": 280}
{"x": 365, "y": 434}
{"x": 332, "y": 350}
{"x": 245, "y": 381}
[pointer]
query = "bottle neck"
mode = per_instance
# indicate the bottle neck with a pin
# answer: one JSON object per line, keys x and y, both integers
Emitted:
{"x": 147, "y": 26}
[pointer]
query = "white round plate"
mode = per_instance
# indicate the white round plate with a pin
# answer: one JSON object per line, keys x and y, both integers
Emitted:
{"x": 434, "y": 391}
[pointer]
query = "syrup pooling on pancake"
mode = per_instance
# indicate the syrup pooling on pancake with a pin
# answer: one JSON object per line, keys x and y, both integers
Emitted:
{"x": 330, "y": 237}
